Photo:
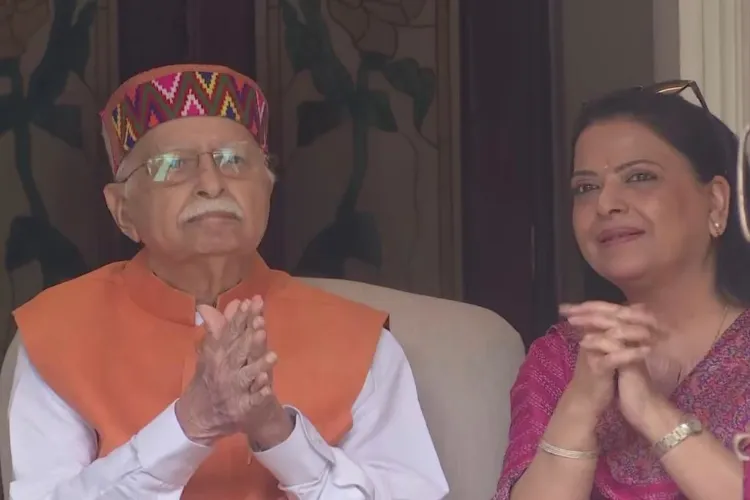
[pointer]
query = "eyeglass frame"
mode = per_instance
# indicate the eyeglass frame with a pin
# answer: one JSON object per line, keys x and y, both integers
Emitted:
{"x": 269, "y": 160}
{"x": 667, "y": 87}
{"x": 740, "y": 166}
{"x": 677, "y": 86}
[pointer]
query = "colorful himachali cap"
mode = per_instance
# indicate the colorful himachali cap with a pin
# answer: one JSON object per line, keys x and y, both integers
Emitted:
{"x": 171, "y": 92}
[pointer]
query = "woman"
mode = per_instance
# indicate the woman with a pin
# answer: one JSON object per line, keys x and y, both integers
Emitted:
{"x": 642, "y": 401}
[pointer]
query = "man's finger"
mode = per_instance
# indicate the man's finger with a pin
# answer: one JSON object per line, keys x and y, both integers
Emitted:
{"x": 213, "y": 320}
{"x": 239, "y": 350}
{"x": 257, "y": 306}
{"x": 238, "y": 323}
{"x": 258, "y": 340}
{"x": 232, "y": 309}
{"x": 263, "y": 379}
{"x": 260, "y": 397}
{"x": 247, "y": 374}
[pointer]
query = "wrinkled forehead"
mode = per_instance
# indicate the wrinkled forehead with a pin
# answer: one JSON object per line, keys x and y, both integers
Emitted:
{"x": 173, "y": 94}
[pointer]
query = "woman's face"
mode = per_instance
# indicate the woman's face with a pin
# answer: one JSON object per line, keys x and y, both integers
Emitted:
{"x": 639, "y": 211}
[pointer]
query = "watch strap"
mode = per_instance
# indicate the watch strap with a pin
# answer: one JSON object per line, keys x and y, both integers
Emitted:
{"x": 690, "y": 427}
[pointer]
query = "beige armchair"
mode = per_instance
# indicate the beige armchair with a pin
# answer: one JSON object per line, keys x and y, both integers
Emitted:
{"x": 464, "y": 359}
{"x": 6, "y": 386}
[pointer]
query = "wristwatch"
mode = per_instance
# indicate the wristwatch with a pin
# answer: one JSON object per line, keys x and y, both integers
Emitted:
{"x": 691, "y": 426}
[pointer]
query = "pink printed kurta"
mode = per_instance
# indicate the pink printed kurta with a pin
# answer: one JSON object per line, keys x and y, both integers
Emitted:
{"x": 717, "y": 392}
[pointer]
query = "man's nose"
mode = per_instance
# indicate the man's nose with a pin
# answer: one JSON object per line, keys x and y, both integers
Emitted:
{"x": 210, "y": 183}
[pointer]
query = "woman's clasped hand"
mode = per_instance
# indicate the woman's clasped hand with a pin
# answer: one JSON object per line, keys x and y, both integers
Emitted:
{"x": 620, "y": 348}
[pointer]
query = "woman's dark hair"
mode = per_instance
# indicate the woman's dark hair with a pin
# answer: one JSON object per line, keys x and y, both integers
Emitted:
{"x": 711, "y": 148}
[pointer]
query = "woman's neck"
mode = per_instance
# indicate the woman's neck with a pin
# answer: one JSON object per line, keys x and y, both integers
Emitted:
{"x": 679, "y": 299}
{"x": 692, "y": 311}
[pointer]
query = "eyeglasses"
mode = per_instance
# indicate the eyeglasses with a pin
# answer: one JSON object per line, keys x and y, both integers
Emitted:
{"x": 234, "y": 160}
{"x": 677, "y": 87}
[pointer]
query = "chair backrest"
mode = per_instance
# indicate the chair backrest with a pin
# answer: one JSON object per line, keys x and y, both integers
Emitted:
{"x": 6, "y": 387}
{"x": 464, "y": 360}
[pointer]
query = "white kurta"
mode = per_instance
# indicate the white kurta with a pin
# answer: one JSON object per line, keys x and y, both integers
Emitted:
{"x": 387, "y": 455}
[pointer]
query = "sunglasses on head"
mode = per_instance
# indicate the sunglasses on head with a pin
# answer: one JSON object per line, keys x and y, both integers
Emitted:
{"x": 676, "y": 87}
{"x": 669, "y": 87}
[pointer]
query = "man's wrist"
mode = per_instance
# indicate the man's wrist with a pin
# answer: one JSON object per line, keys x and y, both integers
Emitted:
{"x": 274, "y": 432}
{"x": 192, "y": 431}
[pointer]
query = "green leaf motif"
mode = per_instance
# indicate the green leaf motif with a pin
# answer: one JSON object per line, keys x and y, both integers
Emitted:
{"x": 379, "y": 113}
{"x": 79, "y": 38}
{"x": 12, "y": 105}
{"x": 353, "y": 236}
{"x": 63, "y": 121}
{"x": 315, "y": 118}
{"x": 309, "y": 47}
{"x": 32, "y": 239}
{"x": 365, "y": 245}
{"x": 298, "y": 39}
{"x": 373, "y": 61}
{"x": 311, "y": 10}
{"x": 67, "y": 51}
{"x": 406, "y": 76}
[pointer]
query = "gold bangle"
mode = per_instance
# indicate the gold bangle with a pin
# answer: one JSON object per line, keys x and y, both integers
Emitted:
{"x": 562, "y": 452}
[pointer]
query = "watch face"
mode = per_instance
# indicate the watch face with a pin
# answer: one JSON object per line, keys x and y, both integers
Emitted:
{"x": 695, "y": 425}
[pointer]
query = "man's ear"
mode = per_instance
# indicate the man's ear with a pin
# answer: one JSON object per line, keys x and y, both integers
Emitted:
{"x": 116, "y": 197}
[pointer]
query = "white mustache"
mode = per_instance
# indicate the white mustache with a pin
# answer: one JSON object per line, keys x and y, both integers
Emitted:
{"x": 204, "y": 206}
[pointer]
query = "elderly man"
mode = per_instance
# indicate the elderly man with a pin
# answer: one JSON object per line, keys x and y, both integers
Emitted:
{"x": 193, "y": 371}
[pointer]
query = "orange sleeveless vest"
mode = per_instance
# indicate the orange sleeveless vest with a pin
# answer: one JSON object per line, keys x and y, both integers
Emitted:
{"x": 119, "y": 345}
